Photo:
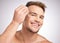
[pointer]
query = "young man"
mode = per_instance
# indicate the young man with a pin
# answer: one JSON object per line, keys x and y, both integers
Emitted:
{"x": 31, "y": 16}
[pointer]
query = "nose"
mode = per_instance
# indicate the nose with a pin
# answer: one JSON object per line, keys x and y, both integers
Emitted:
{"x": 37, "y": 19}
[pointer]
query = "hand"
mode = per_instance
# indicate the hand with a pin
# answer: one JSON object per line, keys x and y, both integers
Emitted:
{"x": 20, "y": 14}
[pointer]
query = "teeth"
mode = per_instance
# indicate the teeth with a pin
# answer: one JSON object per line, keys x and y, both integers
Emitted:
{"x": 35, "y": 25}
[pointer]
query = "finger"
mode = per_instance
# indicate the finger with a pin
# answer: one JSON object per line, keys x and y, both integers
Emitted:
{"x": 21, "y": 6}
{"x": 23, "y": 10}
{"x": 26, "y": 11}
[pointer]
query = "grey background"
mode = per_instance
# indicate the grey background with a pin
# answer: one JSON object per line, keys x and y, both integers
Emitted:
{"x": 51, "y": 27}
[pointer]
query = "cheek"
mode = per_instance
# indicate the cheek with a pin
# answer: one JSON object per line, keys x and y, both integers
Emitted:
{"x": 31, "y": 18}
{"x": 41, "y": 21}
{"x": 28, "y": 20}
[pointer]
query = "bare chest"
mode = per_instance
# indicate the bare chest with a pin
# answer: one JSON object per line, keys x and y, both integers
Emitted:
{"x": 16, "y": 41}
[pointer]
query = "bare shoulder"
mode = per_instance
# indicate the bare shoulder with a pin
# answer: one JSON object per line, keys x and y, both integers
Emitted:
{"x": 45, "y": 41}
{"x": 42, "y": 39}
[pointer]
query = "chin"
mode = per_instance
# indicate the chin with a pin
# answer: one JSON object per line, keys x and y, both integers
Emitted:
{"x": 33, "y": 30}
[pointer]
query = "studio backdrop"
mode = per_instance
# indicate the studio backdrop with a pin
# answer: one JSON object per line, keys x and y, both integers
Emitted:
{"x": 51, "y": 25}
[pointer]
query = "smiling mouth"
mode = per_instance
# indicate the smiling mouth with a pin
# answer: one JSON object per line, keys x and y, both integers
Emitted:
{"x": 34, "y": 24}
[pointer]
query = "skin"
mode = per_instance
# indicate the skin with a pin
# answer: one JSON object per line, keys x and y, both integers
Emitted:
{"x": 32, "y": 22}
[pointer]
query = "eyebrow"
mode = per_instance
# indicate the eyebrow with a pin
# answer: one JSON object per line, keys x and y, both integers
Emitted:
{"x": 33, "y": 13}
{"x": 36, "y": 14}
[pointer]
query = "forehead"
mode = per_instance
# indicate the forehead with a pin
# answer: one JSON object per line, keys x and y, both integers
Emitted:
{"x": 36, "y": 9}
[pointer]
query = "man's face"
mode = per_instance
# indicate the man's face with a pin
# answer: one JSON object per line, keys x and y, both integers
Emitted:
{"x": 34, "y": 19}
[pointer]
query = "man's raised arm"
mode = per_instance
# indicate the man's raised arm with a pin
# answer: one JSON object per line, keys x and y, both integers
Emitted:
{"x": 19, "y": 16}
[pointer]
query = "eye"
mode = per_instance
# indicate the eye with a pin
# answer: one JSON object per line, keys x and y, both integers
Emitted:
{"x": 33, "y": 14}
{"x": 42, "y": 17}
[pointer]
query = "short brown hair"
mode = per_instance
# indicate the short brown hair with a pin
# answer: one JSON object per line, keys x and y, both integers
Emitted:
{"x": 37, "y": 3}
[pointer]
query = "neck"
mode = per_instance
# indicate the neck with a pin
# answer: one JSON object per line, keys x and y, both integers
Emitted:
{"x": 27, "y": 35}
